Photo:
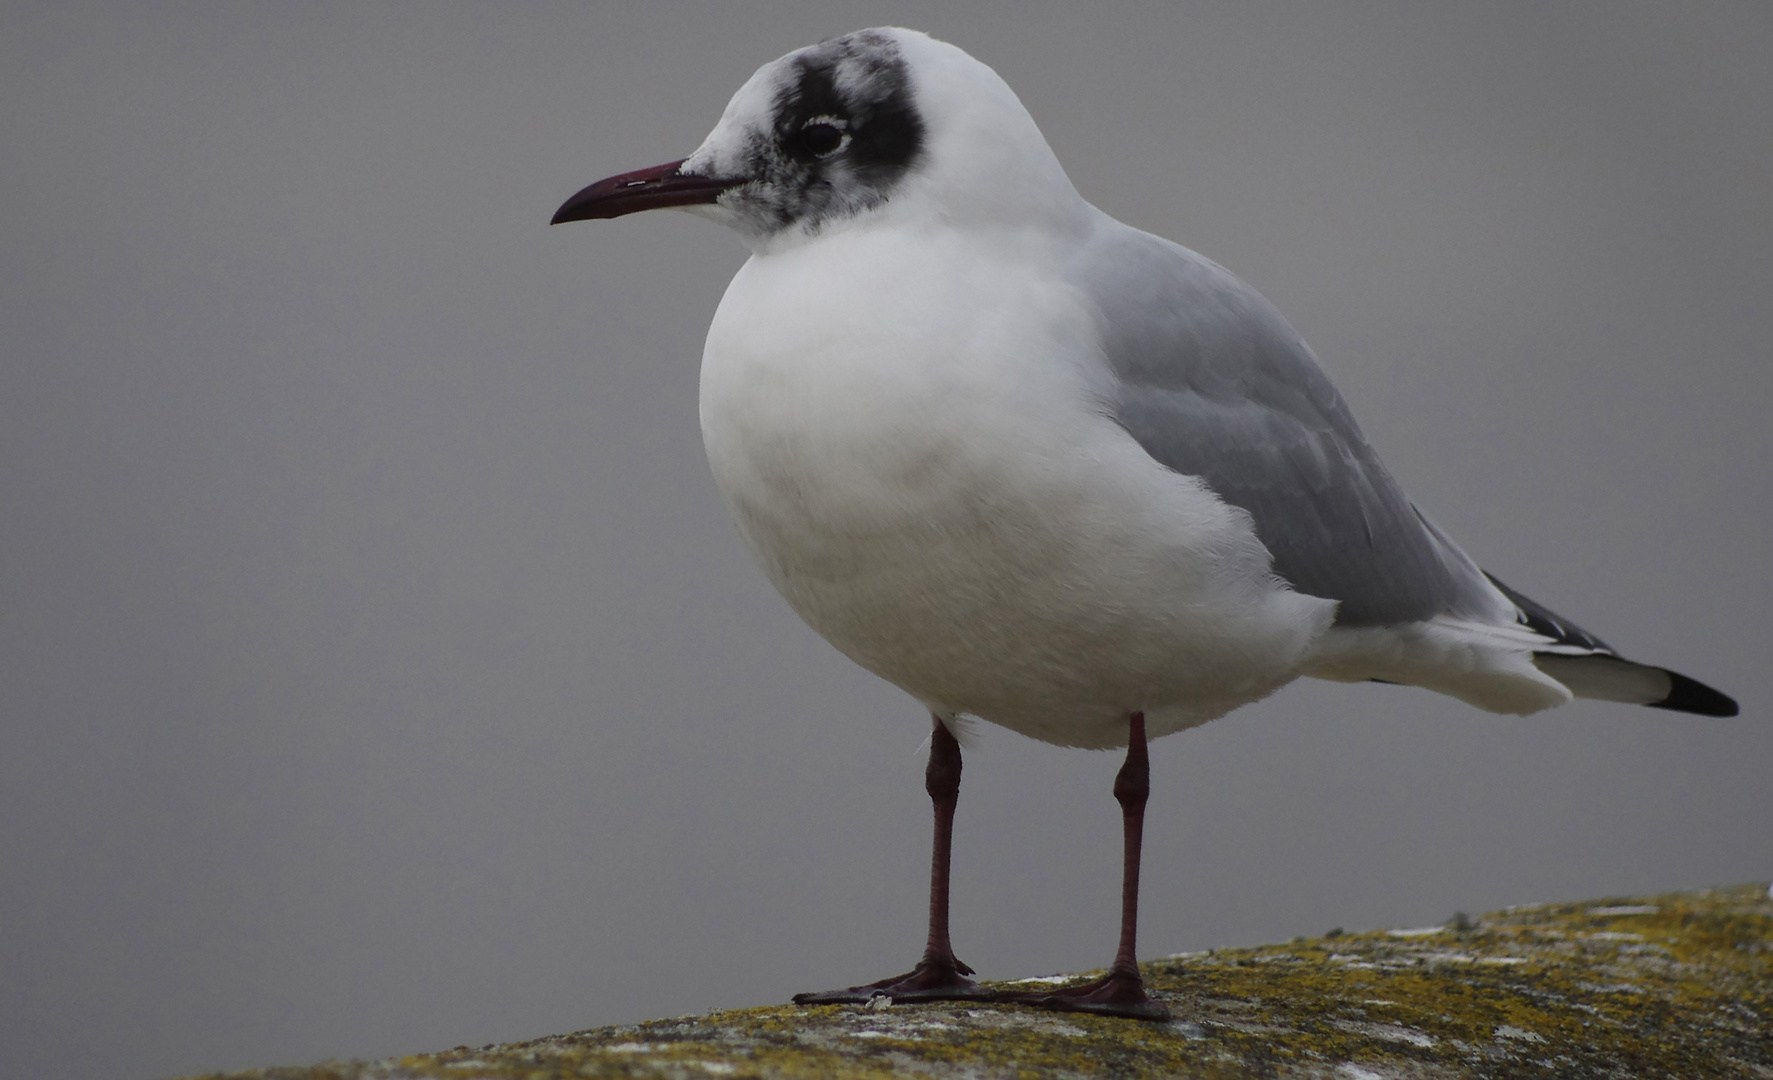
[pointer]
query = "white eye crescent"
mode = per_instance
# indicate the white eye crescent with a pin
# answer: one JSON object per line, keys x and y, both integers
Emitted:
{"x": 823, "y": 136}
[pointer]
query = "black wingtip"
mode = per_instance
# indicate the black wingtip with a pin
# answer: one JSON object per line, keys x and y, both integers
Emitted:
{"x": 1692, "y": 696}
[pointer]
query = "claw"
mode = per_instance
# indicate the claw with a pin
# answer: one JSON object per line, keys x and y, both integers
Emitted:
{"x": 1119, "y": 993}
{"x": 930, "y": 980}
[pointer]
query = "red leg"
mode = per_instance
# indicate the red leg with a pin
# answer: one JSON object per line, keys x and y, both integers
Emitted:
{"x": 938, "y": 976}
{"x": 1121, "y": 992}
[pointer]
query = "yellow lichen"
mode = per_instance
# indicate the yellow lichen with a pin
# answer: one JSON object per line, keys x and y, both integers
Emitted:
{"x": 1678, "y": 985}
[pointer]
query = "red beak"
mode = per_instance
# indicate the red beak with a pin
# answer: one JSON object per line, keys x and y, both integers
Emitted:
{"x": 642, "y": 189}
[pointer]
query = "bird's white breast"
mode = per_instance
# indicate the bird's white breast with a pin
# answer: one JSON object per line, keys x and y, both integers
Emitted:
{"x": 905, "y": 428}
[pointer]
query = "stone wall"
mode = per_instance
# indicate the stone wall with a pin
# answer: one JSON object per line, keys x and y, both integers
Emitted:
{"x": 1665, "y": 986}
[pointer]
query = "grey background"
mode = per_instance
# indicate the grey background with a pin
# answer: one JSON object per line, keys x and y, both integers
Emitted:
{"x": 379, "y": 671}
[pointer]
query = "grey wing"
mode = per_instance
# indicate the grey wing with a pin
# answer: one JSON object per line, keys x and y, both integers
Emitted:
{"x": 1212, "y": 382}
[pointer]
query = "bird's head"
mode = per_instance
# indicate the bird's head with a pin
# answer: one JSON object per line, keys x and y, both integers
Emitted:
{"x": 844, "y": 131}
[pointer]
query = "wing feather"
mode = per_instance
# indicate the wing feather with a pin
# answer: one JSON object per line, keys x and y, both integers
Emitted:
{"x": 1212, "y": 382}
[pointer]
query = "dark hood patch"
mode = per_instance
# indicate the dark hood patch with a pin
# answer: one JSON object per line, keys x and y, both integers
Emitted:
{"x": 843, "y": 133}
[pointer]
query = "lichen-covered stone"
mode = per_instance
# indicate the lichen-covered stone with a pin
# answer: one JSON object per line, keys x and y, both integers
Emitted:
{"x": 1668, "y": 986}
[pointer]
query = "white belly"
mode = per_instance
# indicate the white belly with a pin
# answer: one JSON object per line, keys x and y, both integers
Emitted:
{"x": 929, "y": 486}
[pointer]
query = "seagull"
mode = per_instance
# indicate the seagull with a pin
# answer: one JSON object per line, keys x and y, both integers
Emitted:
{"x": 1039, "y": 468}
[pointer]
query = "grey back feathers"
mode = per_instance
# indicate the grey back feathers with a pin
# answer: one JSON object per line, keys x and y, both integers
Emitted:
{"x": 1213, "y": 383}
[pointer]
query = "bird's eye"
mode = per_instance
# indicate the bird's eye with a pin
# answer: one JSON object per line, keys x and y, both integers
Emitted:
{"x": 823, "y": 135}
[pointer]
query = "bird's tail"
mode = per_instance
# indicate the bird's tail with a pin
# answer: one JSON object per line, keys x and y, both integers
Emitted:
{"x": 1590, "y": 668}
{"x": 1613, "y": 678}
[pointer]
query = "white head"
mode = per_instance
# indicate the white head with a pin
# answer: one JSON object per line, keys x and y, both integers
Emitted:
{"x": 878, "y": 124}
